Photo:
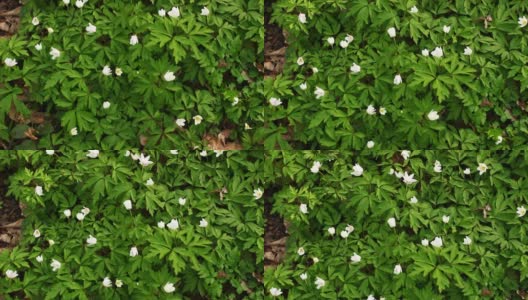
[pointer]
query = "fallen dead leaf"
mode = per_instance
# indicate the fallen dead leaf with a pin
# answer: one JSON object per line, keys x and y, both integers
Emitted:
{"x": 10, "y": 236}
{"x": 9, "y": 24}
{"x": 30, "y": 133}
{"x": 269, "y": 66}
{"x": 222, "y": 64}
{"x": 486, "y": 102}
{"x": 221, "y": 274}
{"x": 13, "y": 12}
{"x": 16, "y": 224}
{"x": 278, "y": 52}
{"x": 38, "y": 117}
{"x": 219, "y": 142}
{"x": 15, "y": 116}
{"x": 143, "y": 140}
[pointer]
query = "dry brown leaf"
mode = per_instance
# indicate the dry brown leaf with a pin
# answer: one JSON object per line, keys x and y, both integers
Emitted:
{"x": 15, "y": 115}
{"x": 16, "y": 224}
{"x": 269, "y": 66}
{"x": 222, "y": 64}
{"x": 9, "y": 25}
{"x": 278, "y": 52}
{"x": 37, "y": 117}
{"x": 486, "y": 102}
{"x": 279, "y": 242}
{"x": 13, "y": 12}
{"x": 11, "y": 236}
{"x": 30, "y": 133}
{"x": 219, "y": 143}
{"x": 143, "y": 140}
{"x": 23, "y": 207}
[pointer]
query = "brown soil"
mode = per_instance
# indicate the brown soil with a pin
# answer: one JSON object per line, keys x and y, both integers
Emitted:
{"x": 9, "y": 17}
{"x": 275, "y": 232}
{"x": 10, "y": 217}
{"x": 274, "y": 44}
{"x": 275, "y": 236}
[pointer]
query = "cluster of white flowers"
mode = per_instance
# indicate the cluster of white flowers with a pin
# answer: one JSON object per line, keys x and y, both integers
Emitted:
{"x": 406, "y": 177}
{"x": 397, "y": 79}
{"x": 433, "y": 115}
{"x": 80, "y": 215}
{"x": 172, "y": 225}
{"x": 55, "y": 265}
{"x": 142, "y": 159}
{"x": 371, "y": 110}
{"x": 302, "y": 18}
{"x": 169, "y": 288}
{"x": 11, "y": 274}
{"x": 355, "y": 258}
{"x": 169, "y": 76}
{"x": 437, "y": 166}
{"x": 10, "y": 62}
{"x": 319, "y": 282}
{"x": 91, "y": 240}
{"x": 345, "y": 42}
{"x": 355, "y": 68}
{"x": 173, "y": 13}
{"x": 39, "y": 191}
{"x": 437, "y": 242}
{"x": 357, "y": 170}
{"x": 344, "y": 233}
{"x": 521, "y": 211}
{"x": 275, "y": 101}
{"x": 90, "y": 29}
{"x": 303, "y": 208}
{"x": 128, "y": 204}
{"x": 523, "y": 21}
{"x": 275, "y": 292}
{"x": 391, "y": 222}
{"x": 300, "y": 251}
{"x": 315, "y": 167}
{"x": 107, "y": 282}
{"x": 92, "y": 153}
{"x": 319, "y": 92}
{"x": 258, "y": 193}
{"x": 134, "y": 251}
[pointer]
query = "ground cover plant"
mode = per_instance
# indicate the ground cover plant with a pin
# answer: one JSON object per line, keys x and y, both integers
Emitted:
{"x": 115, "y": 74}
{"x": 131, "y": 225}
{"x": 401, "y": 225}
{"x": 401, "y": 74}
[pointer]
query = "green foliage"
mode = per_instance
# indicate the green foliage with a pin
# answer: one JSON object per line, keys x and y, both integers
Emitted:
{"x": 482, "y": 207}
{"x": 479, "y": 97}
{"x": 212, "y": 57}
{"x": 215, "y": 262}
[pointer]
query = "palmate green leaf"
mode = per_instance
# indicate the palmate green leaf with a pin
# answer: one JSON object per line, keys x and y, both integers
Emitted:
{"x": 152, "y": 202}
{"x": 162, "y": 33}
{"x": 416, "y": 220}
{"x": 177, "y": 262}
{"x": 423, "y": 75}
{"x": 361, "y": 11}
{"x": 417, "y": 30}
{"x": 441, "y": 280}
{"x": 442, "y": 91}
{"x": 159, "y": 246}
